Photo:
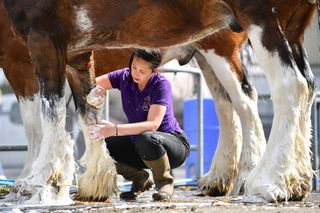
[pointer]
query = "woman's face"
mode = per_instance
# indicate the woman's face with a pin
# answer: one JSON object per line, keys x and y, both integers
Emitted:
{"x": 141, "y": 71}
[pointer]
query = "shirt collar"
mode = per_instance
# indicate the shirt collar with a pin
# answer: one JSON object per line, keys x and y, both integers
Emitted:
{"x": 133, "y": 86}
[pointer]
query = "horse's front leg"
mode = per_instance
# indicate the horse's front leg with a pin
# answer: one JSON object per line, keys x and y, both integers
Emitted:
{"x": 50, "y": 176}
{"x": 285, "y": 170}
{"x": 99, "y": 179}
{"x": 218, "y": 181}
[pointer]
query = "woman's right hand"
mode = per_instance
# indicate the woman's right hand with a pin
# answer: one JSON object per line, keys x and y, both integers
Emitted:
{"x": 96, "y": 97}
{"x": 102, "y": 130}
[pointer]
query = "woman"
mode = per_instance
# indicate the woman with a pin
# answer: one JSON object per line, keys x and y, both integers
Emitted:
{"x": 152, "y": 138}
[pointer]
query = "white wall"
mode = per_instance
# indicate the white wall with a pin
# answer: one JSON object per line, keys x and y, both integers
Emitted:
{"x": 312, "y": 42}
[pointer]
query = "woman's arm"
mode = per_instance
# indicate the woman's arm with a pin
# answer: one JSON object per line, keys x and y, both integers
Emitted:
{"x": 104, "y": 82}
{"x": 154, "y": 119}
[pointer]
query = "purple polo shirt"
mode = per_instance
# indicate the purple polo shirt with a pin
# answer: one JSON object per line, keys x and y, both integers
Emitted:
{"x": 136, "y": 103}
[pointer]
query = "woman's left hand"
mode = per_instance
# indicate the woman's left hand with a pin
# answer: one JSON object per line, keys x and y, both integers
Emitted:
{"x": 103, "y": 130}
{"x": 96, "y": 97}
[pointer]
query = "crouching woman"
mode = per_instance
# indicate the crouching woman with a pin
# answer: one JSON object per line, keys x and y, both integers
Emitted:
{"x": 152, "y": 138}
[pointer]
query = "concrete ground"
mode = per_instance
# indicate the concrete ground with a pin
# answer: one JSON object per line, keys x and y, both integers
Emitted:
{"x": 184, "y": 200}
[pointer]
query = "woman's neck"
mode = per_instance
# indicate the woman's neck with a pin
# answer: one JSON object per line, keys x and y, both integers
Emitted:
{"x": 141, "y": 86}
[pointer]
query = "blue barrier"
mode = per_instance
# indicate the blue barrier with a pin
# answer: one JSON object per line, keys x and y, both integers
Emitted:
{"x": 210, "y": 134}
{"x": 7, "y": 182}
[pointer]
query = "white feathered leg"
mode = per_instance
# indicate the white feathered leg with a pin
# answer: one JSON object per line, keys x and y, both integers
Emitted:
{"x": 218, "y": 181}
{"x": 50, "y": 175}
{"x": 285, "y": 171}
{"x": 305, "y": 118}
{"x": 253, "y": 140}
{"x": 99, "y": 180}
{"x": 30, "y": 113}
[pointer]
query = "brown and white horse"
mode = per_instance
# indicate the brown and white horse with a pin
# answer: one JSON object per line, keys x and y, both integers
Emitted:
{"x": 50, "y": 29}
{"x": 112, "y": 59}
{"x": 218, "y": 57}
{"x": 49, "y": 176}
{"x": 20, "y": 72}
{"x": 292, "y": 87}
{"x": 291, "y": 179}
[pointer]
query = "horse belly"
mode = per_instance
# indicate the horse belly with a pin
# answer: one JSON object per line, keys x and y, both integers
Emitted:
{"x": 147, "y": 24}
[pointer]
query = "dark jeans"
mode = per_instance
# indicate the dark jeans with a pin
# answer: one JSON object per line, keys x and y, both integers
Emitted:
{"x": 149, "y": 146}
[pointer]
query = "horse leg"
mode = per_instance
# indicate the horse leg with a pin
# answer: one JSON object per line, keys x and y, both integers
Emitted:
{"x": 51, "y": 173}
{"x": 99, "y": 179}
{"x": 218, "y": 181}
{"x": 295, "y": 35}
{"x": 224, "y": 60}
{"x": 27, "y": 93}
{"x": 30, "y": 113}
{"x": 254, "y": 142}
{"x": 305, "y": 117}
{"x": 284, "y": 171}
{"x": 300, "y": 56}
{"x": 15, "y": 61}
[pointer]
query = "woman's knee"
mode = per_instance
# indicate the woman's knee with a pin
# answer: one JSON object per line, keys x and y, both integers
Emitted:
{"x": 149, "y": 146}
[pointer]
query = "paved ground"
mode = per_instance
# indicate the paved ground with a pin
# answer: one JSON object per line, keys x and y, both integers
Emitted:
{"x": 184, "y": 200}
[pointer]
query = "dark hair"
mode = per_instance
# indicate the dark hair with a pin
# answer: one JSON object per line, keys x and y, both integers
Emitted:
{"x": 152, "y": 56}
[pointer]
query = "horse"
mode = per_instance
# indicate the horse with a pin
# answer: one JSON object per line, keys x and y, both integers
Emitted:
{"x": 16, "y": 62}
{"x": 100, "y": 61}
{"x": 103, "y": 60}
{"x": 53, "y": 174}
{"x": 255, "y": 170}
{"x": 293, "y": 20}
{"x": 76, "y": 27}
{"x": 223, "y": 176}
{"x": 112, "y": 59}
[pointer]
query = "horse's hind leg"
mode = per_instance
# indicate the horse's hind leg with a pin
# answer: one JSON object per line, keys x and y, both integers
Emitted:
{"x": 295, "y": 34}
{"x": 27, "y": 92}
{"x": 51, "y": 173}
{"x": 284, "y": 171}
{"x": 305, "y": 117}
{"x": 218, "y": 181}
{"x": 225, "y": 62}
{"x": 99, "y": 179}
{"x": 18, "y": 69}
